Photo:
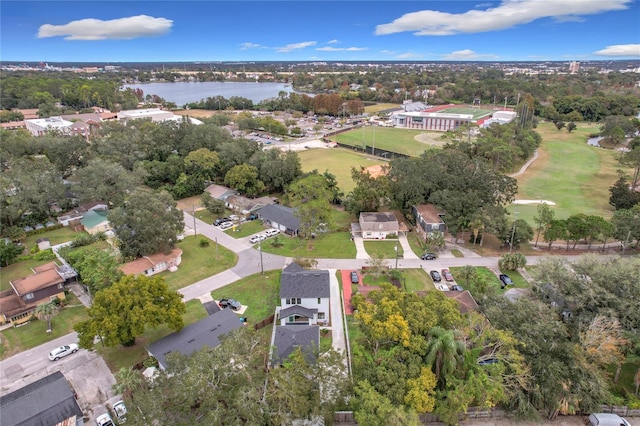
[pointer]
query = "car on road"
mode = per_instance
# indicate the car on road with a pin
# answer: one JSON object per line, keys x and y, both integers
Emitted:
{"x": 428, "y": 256}
{"x": 447, "y": 275}
{"x": 230, "y": 303}
{"x": 104, "y": 420}
{"x": 355, "y": 279}
{"x": 226, "y": 225}
{"x": 120, "y": 410}
{"x": 606, "y": 419}
{"x": 255, "y": 239}
{"x": 435, "y": 276}
{"x": 271, "y": 232}
{"x": 63, "y": 351}
{"x": 506, "y": 280}
{"x": 456, "y": 287}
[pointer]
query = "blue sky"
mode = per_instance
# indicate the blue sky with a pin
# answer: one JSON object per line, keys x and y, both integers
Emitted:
{"x": 302, "y": 30}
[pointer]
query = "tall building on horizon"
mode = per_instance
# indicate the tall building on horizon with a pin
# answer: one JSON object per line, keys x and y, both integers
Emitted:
{"x": 574, "y": 67}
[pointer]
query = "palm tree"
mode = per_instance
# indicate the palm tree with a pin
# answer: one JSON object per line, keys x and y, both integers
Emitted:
{"x": 444, "y": 353}
{"x": 46, "y": 312}
{"x": 468, "y": 273}
{"x": 127, "y": 380}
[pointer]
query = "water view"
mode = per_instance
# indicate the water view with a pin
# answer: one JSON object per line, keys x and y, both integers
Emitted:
{"x": 184, "y": 92}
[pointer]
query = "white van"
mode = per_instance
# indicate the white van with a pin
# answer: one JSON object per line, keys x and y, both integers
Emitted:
{"x": 606, "y": 419}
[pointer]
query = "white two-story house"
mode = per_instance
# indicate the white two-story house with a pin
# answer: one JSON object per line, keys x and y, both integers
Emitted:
{"x": 304, "y": 296}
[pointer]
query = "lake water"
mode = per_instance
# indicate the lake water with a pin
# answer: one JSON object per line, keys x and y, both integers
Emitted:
{"x": 184, "y": 92}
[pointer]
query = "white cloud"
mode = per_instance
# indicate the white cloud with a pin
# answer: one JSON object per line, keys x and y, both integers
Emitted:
{"x": 341, "y": 49}
{"x": 388, "y": 52}
{"x": 295, "y": 46}
{"x": 508, "y": 14}
{"x": 408, "y": 55}
{"x": 247, "y": 46}
{"x": 626, "y": 50}
{"x": 466, "y": 54}
{"x": 118, "y": 29}
{"x": 334, "y": 41}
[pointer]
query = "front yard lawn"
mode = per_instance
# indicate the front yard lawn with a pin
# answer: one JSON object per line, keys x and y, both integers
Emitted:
{"x": 337, "y": 245}
{"x": 119, "y": 356}
{"x": 383, "y": 249}
{"x": 18, "y": 270}
{"x": 417, "y": 280}
{"x": 246, "y": 228}
{"x": 260, "y": 293}
{"x": 15, "y": 340}
{"x": 199, "y": 262}
{"x": 57, "y": 236}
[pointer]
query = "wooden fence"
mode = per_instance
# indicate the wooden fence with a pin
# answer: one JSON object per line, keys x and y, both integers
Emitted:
{"x": 264, "y": 322}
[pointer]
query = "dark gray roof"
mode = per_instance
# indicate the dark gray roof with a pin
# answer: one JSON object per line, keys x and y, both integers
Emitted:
{"x": 192, "y": 338}
{"x": 280, "y": 214}
{"x": 304, "y": 283}
{"x": 45, "y": 402}
{"x": 289, "y": 337}
{"x": 297, "y": 310}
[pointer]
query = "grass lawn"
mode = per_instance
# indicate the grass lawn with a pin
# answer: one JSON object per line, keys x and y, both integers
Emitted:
{"x": 417, "y": 280}
{"x": 338, "y": 161}
{"x": 570, "y": 173}
{"x": 372, "y": 109}
{"x": 383, "y": 249}
{"x": 336, "y": 245}
{"x": 476, "y": 112}
{"x": 119, "y": 356}
{"x": 18, "y": 270}
{"x": 245, "y": 229}
{"x": 402, "y": 141}
{"x": 416, "y": 241}
{"x": 198, "y": 262}
{"x": 15, "y": 340}
{"x": 57, "y": 236}
{"x": 353, "y": 330}
{"x": 260, "y": 293}
{"x": 517, "y": 278}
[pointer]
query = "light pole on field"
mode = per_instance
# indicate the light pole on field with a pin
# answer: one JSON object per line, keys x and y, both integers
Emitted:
{"x": 513, "y": 232}
{"x": 396, "y": 248}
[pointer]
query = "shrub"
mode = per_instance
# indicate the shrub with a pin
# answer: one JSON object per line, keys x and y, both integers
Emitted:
{"x": 83, "y": 240}
{"x": 45, "y": 255}
{"x": 512, "y": 261}
{"x": 204, "y": 242}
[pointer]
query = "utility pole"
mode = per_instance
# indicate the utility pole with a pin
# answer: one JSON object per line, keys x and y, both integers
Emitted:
{"x": 195, "y": 232}
{"x": 513, "y": 232}
{"x": 261, "y": 264}
{"x": 624, "y": 246}
{"x": 397, "y": 251}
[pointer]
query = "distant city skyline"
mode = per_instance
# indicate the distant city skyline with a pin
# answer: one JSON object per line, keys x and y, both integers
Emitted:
{"x": 210, "y": 31}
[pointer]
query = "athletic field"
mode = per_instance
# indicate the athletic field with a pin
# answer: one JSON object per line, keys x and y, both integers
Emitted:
{"x": 477, "y": 113}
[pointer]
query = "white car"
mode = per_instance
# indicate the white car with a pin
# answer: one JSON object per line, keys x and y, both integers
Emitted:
{"x": 120, "y": 411}
{"x": 271, "y": 232}
{"x": 255, "y": 239}
{"x": 261, "y": 237}
{"x": 226, "y": 225}
{"x": 104, "y": 420}
{"x": 63, "y": 351}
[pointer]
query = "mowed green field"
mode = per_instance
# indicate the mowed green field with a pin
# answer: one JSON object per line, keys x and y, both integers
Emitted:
{"x": 338, "y": 161}
{"x": 476, "y": 112}
{"x": 570, "y": 173}
{"x": 402, "y": 141}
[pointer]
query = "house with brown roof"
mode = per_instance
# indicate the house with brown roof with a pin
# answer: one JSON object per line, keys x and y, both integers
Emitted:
{"x": 378, "y": 225}
{"x": 428, "y": 219}
{"x": 153, "y": 264}
{"x": 45, "y": 284}
{"x": 466, "y": 302}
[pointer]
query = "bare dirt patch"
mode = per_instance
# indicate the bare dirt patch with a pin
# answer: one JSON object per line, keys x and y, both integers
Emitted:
{"x": 430, "y": 139}
{"x": 196, "y": 113}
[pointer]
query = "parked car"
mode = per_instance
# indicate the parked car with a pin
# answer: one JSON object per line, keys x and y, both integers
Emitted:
{"x": 447, "y": 275}
{"x": 120, "y": 411}
{"x": 506, "y": 280}
{"x": 63, "y": 351}
{"x": 355, "y": 279}
{"x": 435, "y": 276}
{"x": 456, "y": 287}
{"x": 255, "y": 239}
{"x": 104, "y": 420}
{"x": 226, "y": 225}
{"x": 606, "y": 419}
{"x": 428, "y": 256}
{"x": 220, "y": 221}
{"x": 230, "y": 303}
{"x": 271, "y": 232}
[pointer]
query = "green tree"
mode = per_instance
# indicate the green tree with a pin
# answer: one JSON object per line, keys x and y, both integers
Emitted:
{"x": 202, "y": 163}
{"x": 444, "y": 354}
{"x": 557, "y": 230}
{"x": 512, "y": 261}
{"x": 571, "y": 126}
{"x": 123, "y": 311}
{"x": 147, "y": 224}
{"x": 244, "y": 179}
{"x": 311, "y": 199}
{"x": 128, "y": 380}
{"x": 372, "y": 408}
{"x": 369, "y": 194}
{"x": 46, "y": 312}
{"x": 421, "y": 394}
{"x": 9, "y": 252}
{"x": 622, "y": 196}
{"x": 213, "y": 205}
{"x": 544, "y": 216}
{"x": 103, "y": 180}
{"x": 97, "y": 268}
{"x": 577, "y": 228}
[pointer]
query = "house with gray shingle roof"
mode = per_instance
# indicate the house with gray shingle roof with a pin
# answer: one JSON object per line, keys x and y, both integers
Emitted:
{"x": 304, "y": 296}
{"x": 280, "y": 217}
{"x": 288, "y": 338}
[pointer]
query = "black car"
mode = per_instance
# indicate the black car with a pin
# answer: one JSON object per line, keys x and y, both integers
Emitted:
{"x": 221, "y": 221}
{"x": 435, "y": 276}
{"x": 354, "y": 277}
{"x": 488, "y": 361}
{"x": 428, "y": 256}
{"x": 230, "y": 303}
{"x": 456, "y": 287}
{"x": 506, "y": 280}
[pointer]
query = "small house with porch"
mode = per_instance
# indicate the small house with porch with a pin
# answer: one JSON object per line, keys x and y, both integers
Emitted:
{"x": 378, "y": 225}
{"x": 304, "y": 296}
{"x": 428, "y": 219}
{"x": 280, "y": 217}
{"x": 153, "y": 264}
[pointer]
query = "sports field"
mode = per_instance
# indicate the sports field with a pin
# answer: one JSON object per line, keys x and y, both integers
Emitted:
{"x": 338, "y": 161}
{"x": 404, "y": 141}
{"x": 476, "y": 112}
